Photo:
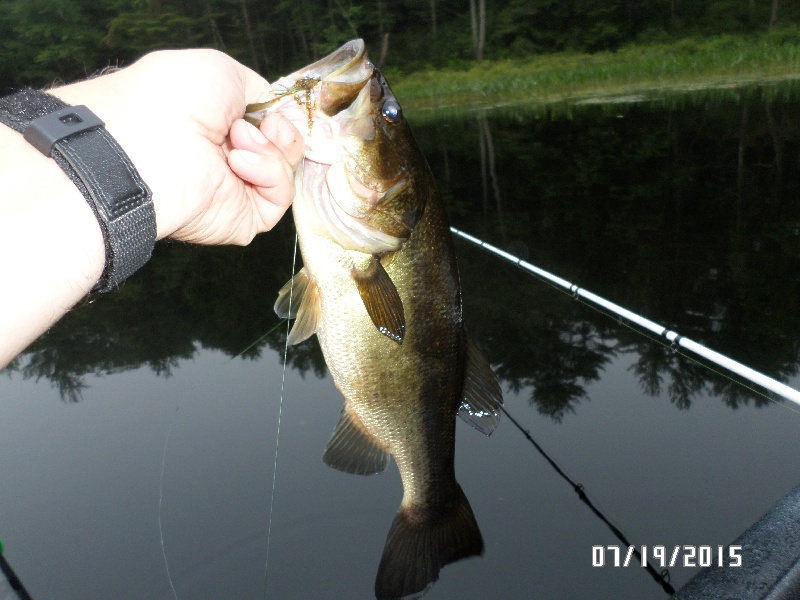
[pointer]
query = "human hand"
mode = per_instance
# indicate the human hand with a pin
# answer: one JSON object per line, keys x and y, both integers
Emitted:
{"x": 177, "y": 114}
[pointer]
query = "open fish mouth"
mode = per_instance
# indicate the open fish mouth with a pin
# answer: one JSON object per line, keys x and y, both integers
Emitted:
{"x": 328, "y": 85}
{"x": 332, "y": 102}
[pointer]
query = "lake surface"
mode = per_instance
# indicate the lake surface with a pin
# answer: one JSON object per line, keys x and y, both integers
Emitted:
{"x": 138, "y": 437}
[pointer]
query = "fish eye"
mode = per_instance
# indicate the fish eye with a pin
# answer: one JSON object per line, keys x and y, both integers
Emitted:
{"x": 392, "y": 112}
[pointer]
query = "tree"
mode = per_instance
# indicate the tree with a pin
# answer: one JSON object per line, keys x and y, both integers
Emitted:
{"x": 478, "y": 23}
{"x": 52, "y": 40}
{"x": 773, "y": 16}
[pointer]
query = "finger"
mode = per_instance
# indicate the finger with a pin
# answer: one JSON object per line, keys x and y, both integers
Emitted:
{"x": 256, "y": 88}
{"x": 269, "y": 214}
{"x": 245, "y": 136}
{"x": 285, "y": 136}
{"x": 275, "y": 133}
{"x": 271, "y": 175}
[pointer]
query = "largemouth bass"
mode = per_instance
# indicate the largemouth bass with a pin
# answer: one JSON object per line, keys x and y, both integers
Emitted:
{"x": 380, "y": 289}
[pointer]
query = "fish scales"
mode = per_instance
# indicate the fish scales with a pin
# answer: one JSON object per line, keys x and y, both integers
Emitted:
{"x": 380, "y": 289}
{"x": 425, "y": 381}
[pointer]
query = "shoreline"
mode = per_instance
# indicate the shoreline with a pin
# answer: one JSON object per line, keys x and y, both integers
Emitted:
{"x": 637, "y": 72}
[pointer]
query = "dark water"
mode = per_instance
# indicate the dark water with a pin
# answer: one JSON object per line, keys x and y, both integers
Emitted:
{"x": 138, "y": 437}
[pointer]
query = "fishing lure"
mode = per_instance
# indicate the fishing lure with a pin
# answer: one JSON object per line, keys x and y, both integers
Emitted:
{"x": 303, "y": 92}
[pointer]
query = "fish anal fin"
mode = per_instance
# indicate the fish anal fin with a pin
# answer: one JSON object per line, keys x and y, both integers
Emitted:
{"x": 482, "y": 397}
{"x": 420, "y": 543}
{"x": 353, "y": 449}
{"x": 299, "y": 299}
{"x": 381, "y": 299}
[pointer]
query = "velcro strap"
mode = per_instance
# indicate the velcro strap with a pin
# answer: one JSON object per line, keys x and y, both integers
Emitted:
{"x": 94, "y": 161}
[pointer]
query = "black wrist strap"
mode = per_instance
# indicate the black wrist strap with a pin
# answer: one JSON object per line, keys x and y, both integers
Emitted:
{"x": 76, "y": 139}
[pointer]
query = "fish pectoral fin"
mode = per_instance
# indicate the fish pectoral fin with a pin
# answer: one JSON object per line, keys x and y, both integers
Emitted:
{"x": 482, "y": 397}
{"x": 353, "y": 449}
{"x": 381, "y": 300}
{"x": 291, "y": 294}
{"x": 299, "y": 299}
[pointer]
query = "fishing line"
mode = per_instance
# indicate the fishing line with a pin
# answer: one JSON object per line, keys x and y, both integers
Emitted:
{"x": 280, "y": 411}
{"x": 257, "y": 341}
{"x": 160, "y": 498}
{"x": 676, "y": 340}
{"x": 166, "y": 443}
{"x": 17, "y": 588}
{"x": 666, "y": 338}
{"x": 663, "y": 577}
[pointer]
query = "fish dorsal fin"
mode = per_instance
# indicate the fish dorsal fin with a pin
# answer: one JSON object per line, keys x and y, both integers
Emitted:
{"x": 381, "y": 300}
{"x": 482, "y": 398}
{"x": 353, "y": 449}
{"x": 303, "y": 295}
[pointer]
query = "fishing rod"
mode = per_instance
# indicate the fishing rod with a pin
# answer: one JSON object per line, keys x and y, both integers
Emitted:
{"x": 17, "y": 589}
{"x": 673, "y": 337}
{"x": 661, "y": 578}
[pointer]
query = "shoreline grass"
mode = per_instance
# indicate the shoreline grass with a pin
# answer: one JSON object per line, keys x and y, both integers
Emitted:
{"x": 686, "y": 64}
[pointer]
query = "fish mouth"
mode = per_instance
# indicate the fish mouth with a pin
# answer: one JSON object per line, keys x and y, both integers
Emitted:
{"x": 331, "y": 103}
{"x": 343, "y": 75}
{"x": 330, "y": 85}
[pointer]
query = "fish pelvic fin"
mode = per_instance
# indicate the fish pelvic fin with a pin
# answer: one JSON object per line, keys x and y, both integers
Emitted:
{"x": 353, "y": 449}
{"x": 381, "y": 300}
{"x": 482, "y": 397}
{"x": 299, "y": 299}
{"x": 421, "y": 542}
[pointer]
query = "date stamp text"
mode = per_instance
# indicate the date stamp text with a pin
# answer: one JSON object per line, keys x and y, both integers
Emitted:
{"x": 667, "y": 556}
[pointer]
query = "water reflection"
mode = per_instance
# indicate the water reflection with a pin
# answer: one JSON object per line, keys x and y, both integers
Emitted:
{"x": 187, "y": 298}
{"x": 688, "y": 214}
{"x": 685, "y": 213}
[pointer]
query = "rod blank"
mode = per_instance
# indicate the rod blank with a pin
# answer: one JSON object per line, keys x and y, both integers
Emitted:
{"x": 720, "y": 359}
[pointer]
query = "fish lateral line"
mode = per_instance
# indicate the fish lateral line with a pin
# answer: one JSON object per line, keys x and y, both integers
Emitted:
{"x": 400, "y": 401}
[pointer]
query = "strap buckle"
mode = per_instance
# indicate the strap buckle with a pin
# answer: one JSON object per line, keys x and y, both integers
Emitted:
{"x": 45, "y": 132}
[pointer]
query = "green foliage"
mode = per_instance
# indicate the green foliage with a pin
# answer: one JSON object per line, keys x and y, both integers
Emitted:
{"x": 634, "y": 69}
{"x": 553, "y": 25}
{"x": 140, "y": 32}
{"x": 630, "y": 193}
{"x": 44, "y": 40}
{"x": 47, "y": 40}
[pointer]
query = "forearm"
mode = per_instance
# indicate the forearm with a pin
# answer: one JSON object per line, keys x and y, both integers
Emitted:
{"x": 52, "y": 251}
{"x": 214, "y": 179}
{"x": 51, "y": 246}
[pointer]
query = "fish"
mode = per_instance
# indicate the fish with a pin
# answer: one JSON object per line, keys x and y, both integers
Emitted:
{"x": 380, "y": 289}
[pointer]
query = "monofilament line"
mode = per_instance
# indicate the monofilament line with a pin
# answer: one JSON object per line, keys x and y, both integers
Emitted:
{"x": 280, "y": 411}
{"x": 160, "y": 498}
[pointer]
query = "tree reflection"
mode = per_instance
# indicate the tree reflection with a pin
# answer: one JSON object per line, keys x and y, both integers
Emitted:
{"x": 686, "y": 213}
{"x": 676, "y": 214}
{"x": 185, "y": 299}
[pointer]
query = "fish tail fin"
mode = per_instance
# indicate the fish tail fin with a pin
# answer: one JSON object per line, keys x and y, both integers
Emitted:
{"x": 421, "y": 542}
